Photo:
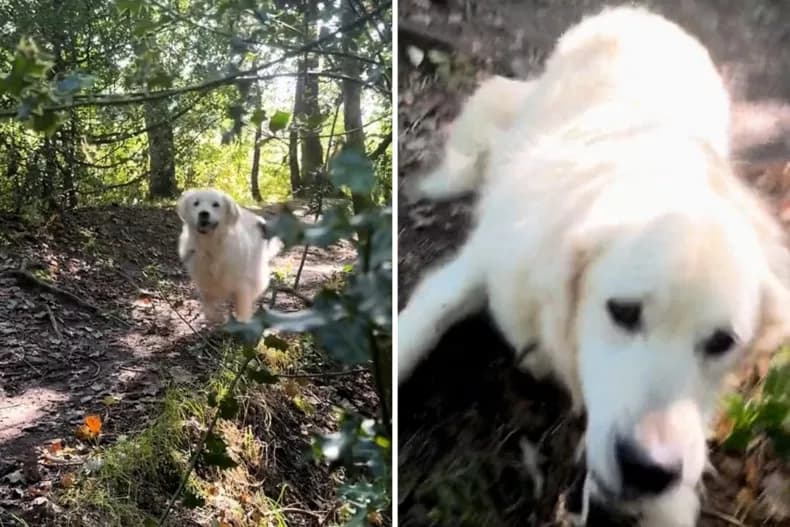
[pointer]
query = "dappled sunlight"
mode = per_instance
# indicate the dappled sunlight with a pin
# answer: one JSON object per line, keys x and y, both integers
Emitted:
{"x": 27, "y": 410}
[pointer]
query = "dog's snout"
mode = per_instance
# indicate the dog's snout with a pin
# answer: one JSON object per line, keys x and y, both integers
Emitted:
{"x": 641, "y": 475}
{"x": 203, "y": 216}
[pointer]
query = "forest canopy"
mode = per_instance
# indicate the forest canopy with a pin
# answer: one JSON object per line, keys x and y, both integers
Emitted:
{"x": 126, "y": 101}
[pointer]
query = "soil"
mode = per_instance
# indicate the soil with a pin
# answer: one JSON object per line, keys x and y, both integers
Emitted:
{"x": 125, "y": 322}
{"x": 466, "y": 409}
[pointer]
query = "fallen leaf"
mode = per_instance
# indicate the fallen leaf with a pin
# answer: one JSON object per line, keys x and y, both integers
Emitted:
{"x": 55, "y": 446}
{"x": 744, "y": 499}
{"x": 14, "y": 477}
{"x": 93, "y": 422}
{"x": 67, "y": 480}
{"x": 751, "y": 472}
{"x": 375, "y": 518}
{"x": 83, "y": 433}
{"x": 142, "y": 300}
{"x": 110, "y": 400}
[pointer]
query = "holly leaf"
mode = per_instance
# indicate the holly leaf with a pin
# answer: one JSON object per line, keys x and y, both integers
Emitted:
{"x": 279, "y": 121}
{"x": 352, "y": 169}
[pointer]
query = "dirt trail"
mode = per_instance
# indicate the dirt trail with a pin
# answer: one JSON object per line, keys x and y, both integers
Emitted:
{"x": 461, "y": 418}
{"x": 60, "y": 358}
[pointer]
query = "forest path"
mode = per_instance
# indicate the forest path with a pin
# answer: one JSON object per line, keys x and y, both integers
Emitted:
{"x": 131, "y": 330}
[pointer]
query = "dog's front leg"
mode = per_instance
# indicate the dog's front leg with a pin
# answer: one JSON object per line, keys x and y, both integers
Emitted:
{"x": 212, "y": 308}
{"x": 244, "y": 303}
{"x": 448, "y": 294}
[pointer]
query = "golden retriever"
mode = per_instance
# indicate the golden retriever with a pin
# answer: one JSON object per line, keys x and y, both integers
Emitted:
{"x": 612, "y": 233}
{"x": 226, "y": 252}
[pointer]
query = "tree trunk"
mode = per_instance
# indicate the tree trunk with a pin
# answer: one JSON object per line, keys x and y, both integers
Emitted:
{"x": 256, "y": 163}
{"x": 293, "y": 135}
{"x": 311, "y": 119}
{"x": 352, "y": 107}
{"x": 162, "y": 175}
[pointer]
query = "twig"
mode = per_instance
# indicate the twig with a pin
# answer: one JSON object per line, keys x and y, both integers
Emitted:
{"x": 294, "y": 293}
{"x": 318, "y": 375}
{"x": 53, "y": 321}
{"x": 24, "y": 276}
{"x": 722, "y": 516}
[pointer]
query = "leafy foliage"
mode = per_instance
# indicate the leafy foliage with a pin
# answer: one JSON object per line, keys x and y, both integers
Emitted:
{"x": 92, "y": 95}
{"x": 768, "y": 412}
{"x": 352, "y": 324}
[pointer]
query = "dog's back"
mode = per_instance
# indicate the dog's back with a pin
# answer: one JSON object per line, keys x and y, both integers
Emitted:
{"x": 615, "y": 71}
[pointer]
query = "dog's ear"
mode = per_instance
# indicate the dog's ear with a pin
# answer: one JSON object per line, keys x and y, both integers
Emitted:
{"x": 181, "y": 204}
{"x": 232, "y": 209}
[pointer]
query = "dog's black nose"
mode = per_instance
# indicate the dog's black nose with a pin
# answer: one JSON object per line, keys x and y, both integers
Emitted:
{"x": 640, "y": 474}
{"x": 203, "y": 216}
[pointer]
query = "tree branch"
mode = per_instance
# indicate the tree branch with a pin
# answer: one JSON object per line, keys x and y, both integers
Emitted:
{"x": 113, "y": 100}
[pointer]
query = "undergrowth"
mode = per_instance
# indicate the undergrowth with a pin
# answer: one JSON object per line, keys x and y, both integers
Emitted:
{"x": 763, "y": 411}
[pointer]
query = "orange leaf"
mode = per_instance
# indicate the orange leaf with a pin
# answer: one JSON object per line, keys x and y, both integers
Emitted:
{"x": 55, "y": 446}
{"x": 93, "y": 422}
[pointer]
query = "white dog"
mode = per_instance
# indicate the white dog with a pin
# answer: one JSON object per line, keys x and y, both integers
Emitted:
{"x": 612, "y": 232}
{"x": 225, "y": 250}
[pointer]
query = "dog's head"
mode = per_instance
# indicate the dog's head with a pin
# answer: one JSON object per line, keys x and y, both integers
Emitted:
{"x": 663, "y": 312}
{"x": 206, "y": 210}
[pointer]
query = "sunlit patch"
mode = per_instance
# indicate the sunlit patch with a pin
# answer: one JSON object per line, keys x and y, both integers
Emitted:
{"x": 25, "y": 411}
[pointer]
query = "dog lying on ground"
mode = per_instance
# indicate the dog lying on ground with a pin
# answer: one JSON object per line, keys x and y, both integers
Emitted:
{"x": 226, "y": 251}
{"x": 612, "y": 234}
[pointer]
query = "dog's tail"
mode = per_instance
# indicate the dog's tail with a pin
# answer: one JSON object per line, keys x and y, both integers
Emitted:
{"x": 490, "y": 110}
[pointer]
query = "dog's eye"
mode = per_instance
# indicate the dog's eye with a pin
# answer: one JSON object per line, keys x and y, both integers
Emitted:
{"x": 196, "y": 203}
{"x": 215, "y": 204}
{"x": 626, "y": 314}
{"x": 719, "y": 343}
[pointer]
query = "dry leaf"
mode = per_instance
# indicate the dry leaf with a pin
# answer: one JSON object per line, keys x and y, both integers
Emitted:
{"x": 83, "y": 433}
{"x": 93, "y": 422}
{"x": 375, "y": 519}
{"x": 751, "y": 472}
{"x": 55, "y": 446}
{"x": 67, "y": 480}
{"x": 744, "y": 499}
{"x": 110, "y": 400}
{"x": 291, "y": 388}
{"x": 142, "y": 301}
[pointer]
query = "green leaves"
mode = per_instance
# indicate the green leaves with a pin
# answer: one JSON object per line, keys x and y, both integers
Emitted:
{"x": 766, "y": 413}
{"x": 352, "y": 169}
{"x": 258, "y": 116}
{"x": 133, "y": 7}
{"x": 279, "y": 121}
{"x": 28, "y": 68}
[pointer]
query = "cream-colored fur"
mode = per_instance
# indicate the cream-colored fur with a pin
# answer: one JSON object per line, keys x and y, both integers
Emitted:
{"x": 608, "y": 179}
{"x": 227, "y": 256}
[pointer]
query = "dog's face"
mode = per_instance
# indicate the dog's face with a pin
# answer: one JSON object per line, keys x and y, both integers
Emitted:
{"x": 207, "y": 209}
{"x": 662, "y": 314}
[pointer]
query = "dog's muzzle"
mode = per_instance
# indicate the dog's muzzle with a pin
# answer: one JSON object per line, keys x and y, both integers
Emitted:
{"x": 204, "y": 223}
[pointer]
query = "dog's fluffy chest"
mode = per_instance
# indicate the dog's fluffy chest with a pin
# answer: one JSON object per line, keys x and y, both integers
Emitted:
{"x": 223, "y": 262}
